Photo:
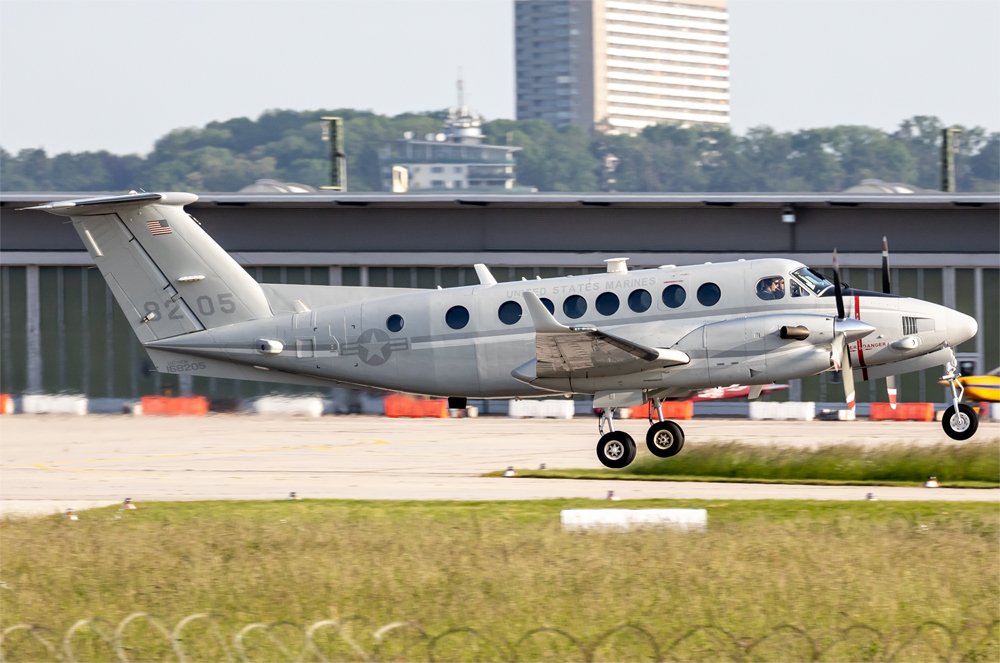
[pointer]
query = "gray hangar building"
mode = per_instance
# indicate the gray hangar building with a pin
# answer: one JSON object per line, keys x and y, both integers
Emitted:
{"x": 62, "y": 332}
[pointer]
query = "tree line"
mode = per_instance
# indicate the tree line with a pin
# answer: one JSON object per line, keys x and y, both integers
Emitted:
{"x": 286, "y": 145}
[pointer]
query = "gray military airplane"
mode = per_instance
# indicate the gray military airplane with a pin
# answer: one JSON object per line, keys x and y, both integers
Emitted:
{"x": 626, "y": 337}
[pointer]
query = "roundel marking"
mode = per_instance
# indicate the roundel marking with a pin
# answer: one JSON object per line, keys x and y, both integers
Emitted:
{"x": 374, "y": 347}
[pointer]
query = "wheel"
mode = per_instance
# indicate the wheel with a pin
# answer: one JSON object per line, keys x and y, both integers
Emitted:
{"x": 960, "y": 425}
{"x": 616, "y": 449}
{"x": 665, "y": 439}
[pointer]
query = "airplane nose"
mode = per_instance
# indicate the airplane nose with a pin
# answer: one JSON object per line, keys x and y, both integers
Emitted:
{"x": 961, "y": 327}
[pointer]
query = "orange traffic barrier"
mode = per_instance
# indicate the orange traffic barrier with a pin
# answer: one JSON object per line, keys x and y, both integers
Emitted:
{"x": 175, "y": 405}
{"x": 903, "y": 412}
{"x": 400, "y": 405}
{"x": 671, "y": 410}
{"x": 6, "y": 404}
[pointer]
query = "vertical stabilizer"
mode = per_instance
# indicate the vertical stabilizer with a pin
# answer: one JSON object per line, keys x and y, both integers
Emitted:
{"x": 168, "y": 276}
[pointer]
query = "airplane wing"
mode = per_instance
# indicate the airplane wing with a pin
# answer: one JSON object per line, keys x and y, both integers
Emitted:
{"x": 562, "y": 351}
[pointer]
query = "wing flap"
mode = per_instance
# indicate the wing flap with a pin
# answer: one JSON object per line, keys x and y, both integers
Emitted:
{"x": 562, "y": 351}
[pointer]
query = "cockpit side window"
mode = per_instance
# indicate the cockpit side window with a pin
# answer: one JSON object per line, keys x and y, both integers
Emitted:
{"x": 797, "y": 290}
{"x": 812, "y": 280}
{"x": 771, "y": 287}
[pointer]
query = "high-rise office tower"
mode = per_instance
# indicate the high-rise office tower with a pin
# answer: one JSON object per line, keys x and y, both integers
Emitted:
{"x": 621, "y": 65}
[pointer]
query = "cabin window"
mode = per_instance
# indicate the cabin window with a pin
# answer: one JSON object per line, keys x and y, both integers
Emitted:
{"x": 640, "y": 300}
{"x": 674, "y": 295}
{"x": 547, "y": 303}
{"x": 509, "y": 312}
{"x": 575, "y": 306}
{"x": 771, "y": 287}
{"x": 709, "y": 294}
{"x": 607, "y": 303}
{"x": 457, "y": 317}
{"x": 394, "y": 322}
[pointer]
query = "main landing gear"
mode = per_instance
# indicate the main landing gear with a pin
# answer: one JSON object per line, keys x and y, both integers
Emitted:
{"x": 616, "y": 449}
{"x": 959, "y": 421}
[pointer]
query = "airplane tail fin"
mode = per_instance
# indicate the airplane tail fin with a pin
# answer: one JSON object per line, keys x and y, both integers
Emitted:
{"x": 168, "y": 276}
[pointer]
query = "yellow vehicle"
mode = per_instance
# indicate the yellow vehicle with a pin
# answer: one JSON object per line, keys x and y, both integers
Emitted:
{"x": 982, "y": 387}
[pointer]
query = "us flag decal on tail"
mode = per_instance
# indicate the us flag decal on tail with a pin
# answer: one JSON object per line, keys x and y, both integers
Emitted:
{"x": 158, "y": 227}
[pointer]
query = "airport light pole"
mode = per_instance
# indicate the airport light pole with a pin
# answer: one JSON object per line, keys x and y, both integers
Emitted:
{"x": 333, "y": 133}
{"x": 949, "y": 145}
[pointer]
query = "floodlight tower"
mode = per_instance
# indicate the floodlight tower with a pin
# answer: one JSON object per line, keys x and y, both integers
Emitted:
{"x": 949, "y": 144}
{"x": 333, "y": 133}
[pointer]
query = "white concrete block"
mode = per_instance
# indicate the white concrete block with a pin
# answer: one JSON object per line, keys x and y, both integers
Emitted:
{"x": 54, "y": 404}
{"x": 305, "y": 406}
{"x": 760, "y": 410}
{"x": 562, "y": 408}
{"x": 620, "y": 519}
{"x": 521, "y": 409}
{"x": 799, "y": 411}
{"x": 556, "y": 409}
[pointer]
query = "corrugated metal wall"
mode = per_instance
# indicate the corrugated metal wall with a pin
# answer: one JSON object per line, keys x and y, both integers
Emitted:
{"x": 86, "y": 345}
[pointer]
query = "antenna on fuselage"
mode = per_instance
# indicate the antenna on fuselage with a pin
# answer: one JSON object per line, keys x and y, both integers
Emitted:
{"x": 483, "y": 272}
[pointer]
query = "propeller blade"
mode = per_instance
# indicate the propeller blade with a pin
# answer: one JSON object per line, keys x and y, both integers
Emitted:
{"x": 886, "y": 284}
{"x": 837, "y": 350}
{"x": 890, "y": 386}
{"x": 837, "y": 290}
{"x": 847, "y": 374}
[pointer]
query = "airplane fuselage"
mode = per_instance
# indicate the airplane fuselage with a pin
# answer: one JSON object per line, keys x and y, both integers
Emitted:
{"x": 468, "y": 341}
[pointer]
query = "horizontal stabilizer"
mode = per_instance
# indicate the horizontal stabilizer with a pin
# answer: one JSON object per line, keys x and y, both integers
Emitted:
{"x": 106, "y": 204}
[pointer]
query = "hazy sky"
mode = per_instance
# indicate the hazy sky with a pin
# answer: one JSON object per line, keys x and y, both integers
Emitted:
{"x": 118, "y": 74}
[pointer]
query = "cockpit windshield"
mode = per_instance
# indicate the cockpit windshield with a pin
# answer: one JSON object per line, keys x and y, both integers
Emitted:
{"x": 812, "y": 280}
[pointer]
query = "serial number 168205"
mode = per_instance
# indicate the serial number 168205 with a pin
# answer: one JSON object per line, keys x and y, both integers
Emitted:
{"x": 185, "y": 366}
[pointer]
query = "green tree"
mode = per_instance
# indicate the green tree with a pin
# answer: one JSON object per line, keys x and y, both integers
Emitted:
{"x": 287, "y": 145}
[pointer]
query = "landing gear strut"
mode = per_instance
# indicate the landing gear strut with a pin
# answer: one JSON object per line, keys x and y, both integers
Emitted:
{"x": 960, "y": 421}
{"x": 664, "y": 438}
{"x": 616, "y": 449}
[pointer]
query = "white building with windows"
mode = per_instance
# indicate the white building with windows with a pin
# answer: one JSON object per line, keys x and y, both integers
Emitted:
{"x": 453, "y": 160}
{"x": 622, "y": 65}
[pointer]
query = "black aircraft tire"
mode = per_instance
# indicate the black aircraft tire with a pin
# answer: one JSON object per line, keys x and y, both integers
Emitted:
{"x": 665, "y": 439}
{"x": 960, "y": 425}
{"x": 616, "y": 449}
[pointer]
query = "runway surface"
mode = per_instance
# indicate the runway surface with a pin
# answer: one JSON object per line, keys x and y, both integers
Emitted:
{"x": 49, "y": 463}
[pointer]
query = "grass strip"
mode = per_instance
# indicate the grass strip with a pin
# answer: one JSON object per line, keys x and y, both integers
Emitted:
{"x": 970, "y": 465}
{"x": 618, "y": 475}
{"x": 505, "y": 568}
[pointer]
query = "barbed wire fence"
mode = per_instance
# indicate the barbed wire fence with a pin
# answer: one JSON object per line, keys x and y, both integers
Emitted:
{"x": 203, "y": 636}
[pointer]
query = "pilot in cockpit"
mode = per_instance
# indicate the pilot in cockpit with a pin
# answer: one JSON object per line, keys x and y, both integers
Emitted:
{"x": 772, "y": 287}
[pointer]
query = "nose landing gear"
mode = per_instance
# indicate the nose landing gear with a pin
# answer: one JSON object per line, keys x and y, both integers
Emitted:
{"x": 960, "y": 421}
{"x": 617, "y": 449}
